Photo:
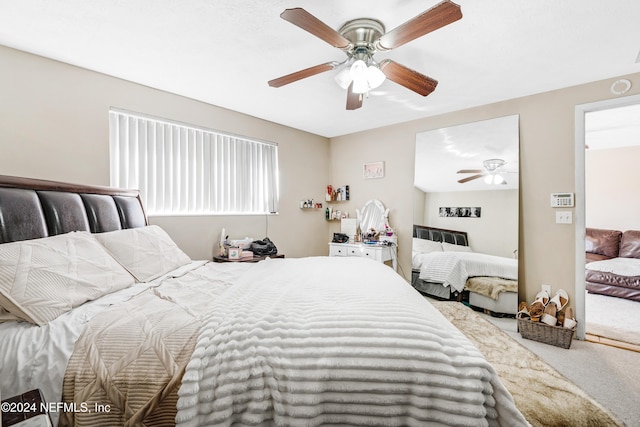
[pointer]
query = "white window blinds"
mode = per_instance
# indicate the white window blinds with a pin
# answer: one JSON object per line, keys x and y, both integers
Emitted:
{"x": 185, "y": 170}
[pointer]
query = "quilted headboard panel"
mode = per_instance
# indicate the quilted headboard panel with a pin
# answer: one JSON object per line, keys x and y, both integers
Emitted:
{"x": 34, "y": 208}
{"x": 440, "y": 235}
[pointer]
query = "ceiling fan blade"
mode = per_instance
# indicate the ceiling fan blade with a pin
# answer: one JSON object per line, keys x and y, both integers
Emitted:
{"x": 313, "y": 25}
{"x": 470, "y": 171}
{"x": 354, "y": 100}
{"x": 408, "y": 78}
{"x": 299, "y": 75}
{"x": 470, "y": 178}
{"x": 438, "y": 16}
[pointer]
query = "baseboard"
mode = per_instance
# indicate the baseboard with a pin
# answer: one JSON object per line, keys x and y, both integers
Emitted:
{"x": 613, "y": 343}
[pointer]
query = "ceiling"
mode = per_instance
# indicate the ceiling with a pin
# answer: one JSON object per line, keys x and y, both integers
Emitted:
{"x": 613, "y": 127}
{"x": 224, "y": 52}
{"x": 441, "y": 153}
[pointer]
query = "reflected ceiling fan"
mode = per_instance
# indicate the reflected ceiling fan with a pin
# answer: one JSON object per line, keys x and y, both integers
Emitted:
{"x": 360, "y": 39}
{"x": 492, "y": 172}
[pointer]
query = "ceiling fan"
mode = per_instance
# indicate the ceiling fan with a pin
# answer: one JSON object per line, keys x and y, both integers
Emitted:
{"x": 492, "y": 172}
{"x": 360, "y": 39}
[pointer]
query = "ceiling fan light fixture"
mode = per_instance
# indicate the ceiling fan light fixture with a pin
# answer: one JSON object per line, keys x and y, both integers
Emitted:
{"x": 343, "y": 78}
{"x": 375, "y": 76}
{"x": 493, "y": 179}
{"x": 358, "y": 73}
{"x": 364, "y": 77}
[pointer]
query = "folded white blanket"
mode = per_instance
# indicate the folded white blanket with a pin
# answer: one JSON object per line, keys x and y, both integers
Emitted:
{"x": 620, "y": 266}
{"x": 454, "y": 268}
{"x": 331, "y": 340}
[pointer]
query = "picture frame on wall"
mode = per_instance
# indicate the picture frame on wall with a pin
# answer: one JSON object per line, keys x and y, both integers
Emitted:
{"x": 373, "y": 170}
{"x": 460, "y": 212}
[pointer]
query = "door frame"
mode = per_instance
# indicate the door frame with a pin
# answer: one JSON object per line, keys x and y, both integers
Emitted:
{"x": 580, "y": 209}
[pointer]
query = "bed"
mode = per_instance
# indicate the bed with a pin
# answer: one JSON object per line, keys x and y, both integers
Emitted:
{"x": 613, "y": 263}
{"x": 117, "y": 326}
{"x": 445, "y": 267}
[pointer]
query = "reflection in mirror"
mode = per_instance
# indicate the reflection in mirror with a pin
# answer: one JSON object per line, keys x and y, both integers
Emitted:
{"x": 466, "y": 214}
{"x": 373, "y": 216}
{"x": 612, "y": 236}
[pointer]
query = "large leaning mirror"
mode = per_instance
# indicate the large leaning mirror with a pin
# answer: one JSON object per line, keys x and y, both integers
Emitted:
{"x": 466, "y": 213}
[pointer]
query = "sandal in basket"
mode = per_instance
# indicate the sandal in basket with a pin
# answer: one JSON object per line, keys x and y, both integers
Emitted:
{"x": 569, "y": 320}
{"x": 536, "y": 310}
{"x": 542, "y": 297}
{"x": 549, "y": 315}
{"x": 561, "y": 298}
{"x": 523, "y": 311}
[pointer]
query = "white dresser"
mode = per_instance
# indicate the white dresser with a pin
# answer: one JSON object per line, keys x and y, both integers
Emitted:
{"x": 377, "y": 252}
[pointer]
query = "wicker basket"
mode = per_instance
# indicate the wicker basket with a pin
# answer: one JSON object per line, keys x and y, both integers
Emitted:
{"x": 541, "y": 332}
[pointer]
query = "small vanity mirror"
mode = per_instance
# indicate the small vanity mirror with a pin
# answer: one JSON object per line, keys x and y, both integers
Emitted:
{"x": 373, "y": 216}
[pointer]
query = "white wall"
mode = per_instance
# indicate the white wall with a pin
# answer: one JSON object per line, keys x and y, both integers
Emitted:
{"x": 54, "y": 125}
{"x": 547, "y": 155}
{"x": 494, "y": 233}
{"x": 612, "y": 199}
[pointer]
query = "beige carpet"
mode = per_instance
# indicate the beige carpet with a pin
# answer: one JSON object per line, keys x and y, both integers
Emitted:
{"x": 543, "y": 395}
{"x": 614, "y": 318}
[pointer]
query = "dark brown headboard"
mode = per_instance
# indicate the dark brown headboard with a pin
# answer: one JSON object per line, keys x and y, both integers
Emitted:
{"x": 35, "y": 208}
{"x": 440, "y": 235}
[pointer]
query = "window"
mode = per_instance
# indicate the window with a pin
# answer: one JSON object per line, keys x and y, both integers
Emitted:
{"x": 185, "y": 170}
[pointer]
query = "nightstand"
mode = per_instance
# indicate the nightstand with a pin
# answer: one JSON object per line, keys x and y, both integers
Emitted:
{"x": 26, "y": 410}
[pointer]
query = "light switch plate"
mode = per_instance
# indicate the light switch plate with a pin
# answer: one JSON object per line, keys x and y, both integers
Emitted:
{"x": 564, "y": 217}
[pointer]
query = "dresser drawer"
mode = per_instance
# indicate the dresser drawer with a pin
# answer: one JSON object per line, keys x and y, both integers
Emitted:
{"x": 378, "y": 253}
{"x": 335, "y": 250}
{"x": 353, "y": 251}
{"x": 371, "y": 253}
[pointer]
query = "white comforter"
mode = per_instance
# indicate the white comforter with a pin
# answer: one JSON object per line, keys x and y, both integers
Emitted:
{"x": 34, "y": 356}
{"x": 331, "y": 340}
{"x": 454, "y": 268}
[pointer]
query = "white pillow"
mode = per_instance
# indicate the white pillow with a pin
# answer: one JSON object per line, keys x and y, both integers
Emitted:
{"x": 450, "y": 247}
{"x": 146, "y": 252}
{"x": 41, "y": 279}
{"x": 425, "y": 246}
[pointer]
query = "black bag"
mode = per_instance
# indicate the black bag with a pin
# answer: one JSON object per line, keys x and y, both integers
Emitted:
{"x": 340, "y": 238}
{"x": 263, "y": 247}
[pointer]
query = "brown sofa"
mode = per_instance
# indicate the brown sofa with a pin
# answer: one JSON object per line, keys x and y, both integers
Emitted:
{"x": 601, "y": 278}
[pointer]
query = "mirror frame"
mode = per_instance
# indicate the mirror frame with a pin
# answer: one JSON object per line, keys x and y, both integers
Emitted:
{"x": 472, "y": 146}
{"x": 463, "y": 148}
{"x": 375, "y": 213}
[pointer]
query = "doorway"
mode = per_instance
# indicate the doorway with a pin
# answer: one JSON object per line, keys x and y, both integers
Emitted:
{"x": 582, "y": 116}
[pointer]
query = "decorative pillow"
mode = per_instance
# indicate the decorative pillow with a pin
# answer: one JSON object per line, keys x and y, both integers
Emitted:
{"x": 450, "y": 247}
{"x": 41, "y": 279}
{"x": 425, "y": 246}
{"x": 146, "y": 252}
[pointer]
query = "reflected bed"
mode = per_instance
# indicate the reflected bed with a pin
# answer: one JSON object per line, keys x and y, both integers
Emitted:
{"x": 445, "y": 267}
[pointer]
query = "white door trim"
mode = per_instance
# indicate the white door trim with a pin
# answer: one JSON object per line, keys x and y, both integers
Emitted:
{"x": 580, "y": 113}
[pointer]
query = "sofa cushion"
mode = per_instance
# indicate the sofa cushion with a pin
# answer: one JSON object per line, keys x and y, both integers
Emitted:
{"x": 603, "y": 242}
{"x": 630, "y": 244}
{"x": 591, "y": 257}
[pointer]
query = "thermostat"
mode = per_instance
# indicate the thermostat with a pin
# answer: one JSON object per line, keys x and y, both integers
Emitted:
{"x": 562, "y": 200}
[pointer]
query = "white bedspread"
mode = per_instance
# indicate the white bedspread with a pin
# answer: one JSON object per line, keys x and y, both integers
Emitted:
{"x": 331, "y": 340}
{"x": 34, "y": 356}
{"x": 454, "y": 268}
{"x": 620, "y": 266}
